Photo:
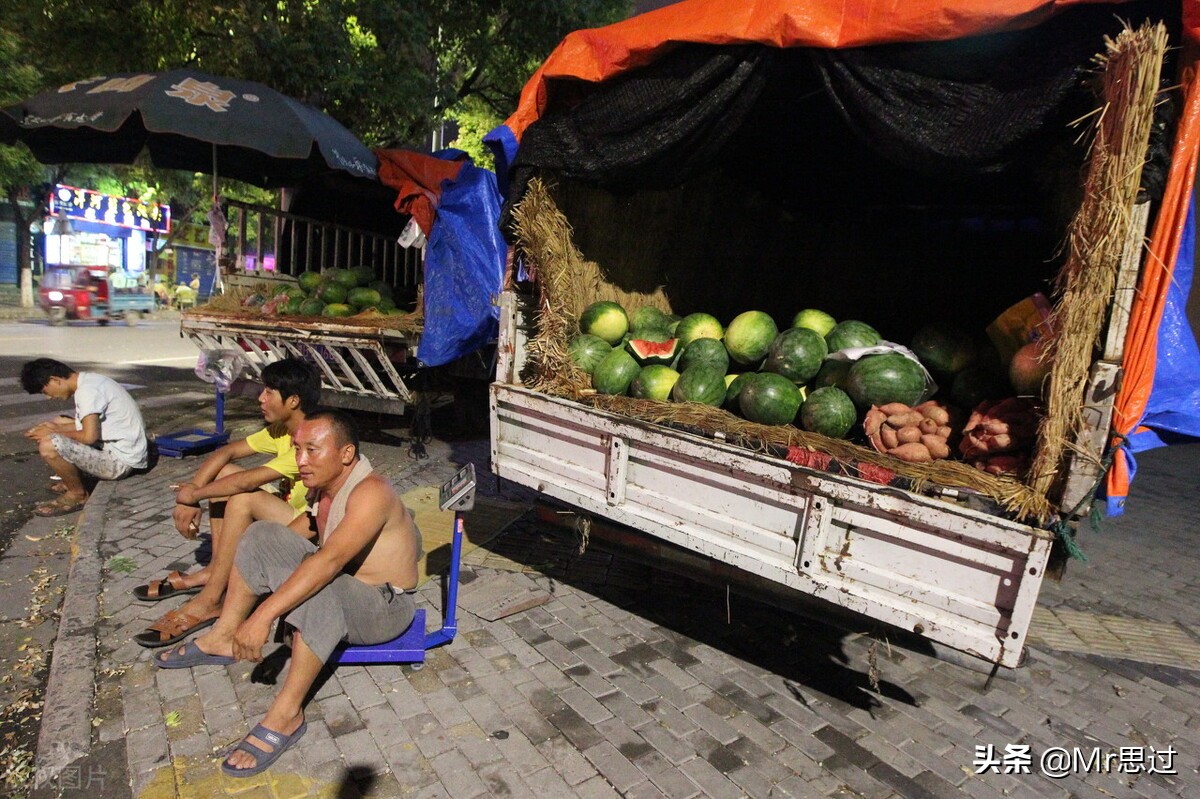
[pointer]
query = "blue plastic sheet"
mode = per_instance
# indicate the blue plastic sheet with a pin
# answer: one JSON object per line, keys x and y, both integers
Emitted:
{"x": 464, "y": 267}
{"x": 1173, "y": 410}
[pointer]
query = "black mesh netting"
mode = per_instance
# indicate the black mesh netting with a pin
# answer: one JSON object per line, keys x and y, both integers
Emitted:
{"x": 989, "y": 115}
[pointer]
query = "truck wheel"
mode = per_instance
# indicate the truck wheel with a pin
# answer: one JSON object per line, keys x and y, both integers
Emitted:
{"x": 58, "y": 315}
{"x": 102, "y": 322}
{"x": 132, "y": 318}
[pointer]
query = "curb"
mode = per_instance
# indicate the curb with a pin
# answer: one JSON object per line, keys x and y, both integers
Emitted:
{"x": 66, "y": 726}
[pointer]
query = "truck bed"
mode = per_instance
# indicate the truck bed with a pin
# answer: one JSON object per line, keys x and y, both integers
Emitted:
{"x": 955, "y": 575}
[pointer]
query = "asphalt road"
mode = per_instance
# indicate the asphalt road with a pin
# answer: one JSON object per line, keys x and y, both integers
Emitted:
{"x": 151, "y": 359}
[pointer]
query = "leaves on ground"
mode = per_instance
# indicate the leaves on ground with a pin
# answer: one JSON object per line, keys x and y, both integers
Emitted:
{"x": 121, "y": 563}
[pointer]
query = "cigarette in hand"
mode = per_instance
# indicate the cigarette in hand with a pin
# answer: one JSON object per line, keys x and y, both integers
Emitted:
{"x": 174, "y": 486}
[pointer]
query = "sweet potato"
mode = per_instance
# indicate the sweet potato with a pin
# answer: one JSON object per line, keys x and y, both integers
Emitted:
{"x": 898, "y": 420}
{"x": 887, "y": 435}
{"x": 908, "y": 435}
{"x": 936, "y": 445}
{"x": 913, "y": 453}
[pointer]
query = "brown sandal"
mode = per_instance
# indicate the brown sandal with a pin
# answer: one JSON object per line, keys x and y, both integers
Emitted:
{"x": 173, "y": 627}
{"x": 167, "y": 587}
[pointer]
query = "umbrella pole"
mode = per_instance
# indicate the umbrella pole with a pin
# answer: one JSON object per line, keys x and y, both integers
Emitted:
{"x": 218, "y": 281}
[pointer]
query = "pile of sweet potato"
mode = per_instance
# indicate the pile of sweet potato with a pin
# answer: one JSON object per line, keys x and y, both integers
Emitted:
{"x": 917, "y": 434}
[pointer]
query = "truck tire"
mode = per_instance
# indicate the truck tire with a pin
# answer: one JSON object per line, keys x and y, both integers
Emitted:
{"x": 103, "y": 321}
{"x": 132, "y": 318}
{"x": 58, "y": 315}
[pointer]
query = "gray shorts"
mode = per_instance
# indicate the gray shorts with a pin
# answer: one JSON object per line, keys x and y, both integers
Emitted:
{"x": 95, "y": 462}
{"x": 345, "y": 610}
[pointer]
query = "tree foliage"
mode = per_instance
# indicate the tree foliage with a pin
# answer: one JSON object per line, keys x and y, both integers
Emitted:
{"x": 389, "y": 71}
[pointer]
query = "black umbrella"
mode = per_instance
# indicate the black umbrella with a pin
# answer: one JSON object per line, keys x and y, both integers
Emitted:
{"x": 187, "y": 120}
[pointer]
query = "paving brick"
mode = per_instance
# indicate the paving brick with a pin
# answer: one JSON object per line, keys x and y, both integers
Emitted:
{"x": 361, "y": 752}
{"x": 712, "y": 783}
{"x": 566, "y": 760}
{"x": 596, "y": 788}
{"x": 457, "y": 776}
{"x": 587, "y": 707}
{"x": 715, "y": 725}
{"x": 614, "y": 766}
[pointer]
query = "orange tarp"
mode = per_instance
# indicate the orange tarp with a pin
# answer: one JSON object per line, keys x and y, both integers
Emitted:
{"x": 418, "y": 180}
{"x": 601, "y": 53}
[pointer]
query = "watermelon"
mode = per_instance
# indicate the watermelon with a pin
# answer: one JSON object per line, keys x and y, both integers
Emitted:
{"x": 880, "y": 379}
{"x": 828, "y": 411}
{"x": 851, "y": 333}
{"x": 309, "y": 281}
{"x": 294, "y": 292}
{"x": 606, "y": 320}
{"x": 702, "y": 384}
{"x": 944, "y": 350}
{"x": 332, "y": 292}
{"x": 707, "y": 351}
{"x": 381, "y": 286}
{"x": 362, "y": 297}
{"x": 733, "y": 389}
{"x": 973, "y": 385}
{"x": 833, "y": 372}
{"x": 697, "y": 325}
{"x": 587, "y": 350}
{"x": 386, "y": 304}
{"x": 749, "y": 337}
{"x": 293, "y": 306}
{"x": 363, "y": 275}
{"x": 796, "y": 354}
{"x": 770, "y": 399}
{"x": 817, "y": 321}
{"x": 615, "y": 372}
{"x": 342, "y": 277}
{"x": 648, "y": 318}
{"x": 647, "y": 352}
{"x": 311, "y": 307}
{"x": 654, "y": 382}
{"x": 337, "y": 309}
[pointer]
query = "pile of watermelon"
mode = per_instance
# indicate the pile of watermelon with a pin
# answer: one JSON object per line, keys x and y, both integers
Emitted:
{"x": 334, "y": 292}
{"x": 775, "y": 376}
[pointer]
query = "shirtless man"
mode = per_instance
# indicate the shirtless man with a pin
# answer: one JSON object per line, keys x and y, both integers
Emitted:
{"x": 349, "y": 588}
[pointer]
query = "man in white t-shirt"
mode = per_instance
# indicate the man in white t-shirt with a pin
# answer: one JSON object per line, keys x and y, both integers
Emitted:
{"x": 106, "y": 439}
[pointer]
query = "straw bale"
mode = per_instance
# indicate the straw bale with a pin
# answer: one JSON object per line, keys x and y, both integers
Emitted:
{"x": 1096, "y": 239}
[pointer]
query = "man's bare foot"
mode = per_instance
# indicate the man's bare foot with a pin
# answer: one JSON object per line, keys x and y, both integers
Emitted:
{"x": 200, "y": 607}
{"x": 282, "y": 724}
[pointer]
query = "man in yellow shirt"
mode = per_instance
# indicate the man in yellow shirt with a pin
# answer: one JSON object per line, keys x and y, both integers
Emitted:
{"x": 291, "y": 389}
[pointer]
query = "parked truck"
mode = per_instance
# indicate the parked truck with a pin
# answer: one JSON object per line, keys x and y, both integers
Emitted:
{"x": 899, "y": 167}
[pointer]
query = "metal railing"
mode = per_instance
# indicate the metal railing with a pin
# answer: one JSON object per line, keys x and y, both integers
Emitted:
{"x": 298, "y": 243}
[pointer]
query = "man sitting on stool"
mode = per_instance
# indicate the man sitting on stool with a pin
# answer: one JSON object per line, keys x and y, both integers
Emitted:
{"x": 350, "y": 587}
{"x": 291, "y": 388}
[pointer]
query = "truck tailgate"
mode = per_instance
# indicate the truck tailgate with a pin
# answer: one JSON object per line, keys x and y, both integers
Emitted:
{"x": 957, "y": 576}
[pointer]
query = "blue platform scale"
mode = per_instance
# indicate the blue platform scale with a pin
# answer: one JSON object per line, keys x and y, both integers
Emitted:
{"x": 458, "y": 495}
{"x": 195, "y": 441}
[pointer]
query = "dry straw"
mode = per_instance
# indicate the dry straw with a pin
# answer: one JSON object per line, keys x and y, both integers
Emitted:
{"x": 1096, "y": 242}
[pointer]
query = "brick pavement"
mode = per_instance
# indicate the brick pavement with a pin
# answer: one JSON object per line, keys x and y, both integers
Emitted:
{"x": 639, "y": 683}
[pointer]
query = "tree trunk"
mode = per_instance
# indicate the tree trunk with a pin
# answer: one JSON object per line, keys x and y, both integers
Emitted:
{"x": 21, "y": 223}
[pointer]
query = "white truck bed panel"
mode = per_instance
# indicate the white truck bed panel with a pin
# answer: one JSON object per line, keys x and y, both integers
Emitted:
{"x": 954, "y": 575}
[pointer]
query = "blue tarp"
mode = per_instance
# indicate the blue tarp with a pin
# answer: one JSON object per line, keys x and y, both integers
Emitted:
{"x": 1173, "y": 410}
{"x": 464, "y": 267}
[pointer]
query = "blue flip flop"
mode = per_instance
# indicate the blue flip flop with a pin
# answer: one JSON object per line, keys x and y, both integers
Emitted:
{"x": 262, "y": 760}
{"x": 189, "y": 655}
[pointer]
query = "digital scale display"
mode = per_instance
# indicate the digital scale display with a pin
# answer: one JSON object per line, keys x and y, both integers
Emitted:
{"x": 458, "y": 493}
